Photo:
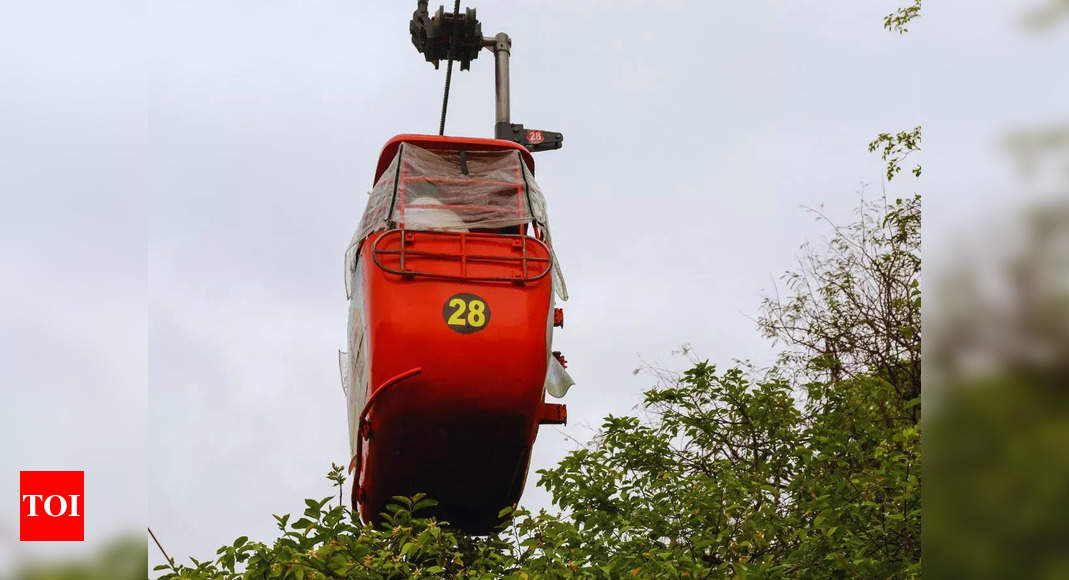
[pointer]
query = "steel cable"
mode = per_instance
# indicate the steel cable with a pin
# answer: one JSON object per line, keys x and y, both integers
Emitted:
{"x": 449, "y": 68}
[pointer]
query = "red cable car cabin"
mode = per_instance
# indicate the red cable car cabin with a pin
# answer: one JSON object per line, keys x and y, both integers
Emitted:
{"x": 451, "y": 278}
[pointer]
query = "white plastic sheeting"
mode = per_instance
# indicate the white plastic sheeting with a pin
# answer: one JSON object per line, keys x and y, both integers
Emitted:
{"x": 558, "y": 381}
{"x": 353, "y": 364}
{"x": 454, "y": 191}
{"x": 538, "y": 212}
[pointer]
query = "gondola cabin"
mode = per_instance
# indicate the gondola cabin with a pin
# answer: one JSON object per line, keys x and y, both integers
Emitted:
{"x": 452, "y": 280}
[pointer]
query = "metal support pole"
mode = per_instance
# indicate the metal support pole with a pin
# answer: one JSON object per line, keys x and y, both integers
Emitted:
{"x": 501, "y": 46}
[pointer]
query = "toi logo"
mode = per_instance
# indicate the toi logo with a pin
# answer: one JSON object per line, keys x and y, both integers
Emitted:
{"x": 51, "y": 506}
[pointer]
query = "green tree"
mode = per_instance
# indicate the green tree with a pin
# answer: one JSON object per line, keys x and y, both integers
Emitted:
{"x": 808, "y": 469}
{"x": 122, "y": 557}
{"x": 898, "y": 20}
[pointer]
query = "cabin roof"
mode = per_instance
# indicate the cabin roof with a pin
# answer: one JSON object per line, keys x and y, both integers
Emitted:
{"x": 438, "y": 142}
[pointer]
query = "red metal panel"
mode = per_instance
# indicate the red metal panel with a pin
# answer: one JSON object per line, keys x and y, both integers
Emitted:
{"x": 462, "y": 429}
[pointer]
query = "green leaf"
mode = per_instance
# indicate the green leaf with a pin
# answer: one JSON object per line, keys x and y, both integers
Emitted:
{"x": 424, "y": 504}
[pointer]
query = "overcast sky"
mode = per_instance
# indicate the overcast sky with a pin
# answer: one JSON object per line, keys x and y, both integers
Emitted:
{"x": 180, "y": 181}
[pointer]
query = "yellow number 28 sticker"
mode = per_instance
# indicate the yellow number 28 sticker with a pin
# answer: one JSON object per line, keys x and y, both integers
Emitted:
{"x": 466, "y": 313}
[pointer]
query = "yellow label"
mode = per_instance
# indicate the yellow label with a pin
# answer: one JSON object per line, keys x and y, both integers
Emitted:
{"x": 466, "y": 313}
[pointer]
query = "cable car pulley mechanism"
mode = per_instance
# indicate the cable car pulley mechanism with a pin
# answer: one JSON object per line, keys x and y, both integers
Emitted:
{"x": 458, "y": 36}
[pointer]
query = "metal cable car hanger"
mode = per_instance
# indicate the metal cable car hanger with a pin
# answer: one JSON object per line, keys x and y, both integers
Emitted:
{"x": 455, "y": 36}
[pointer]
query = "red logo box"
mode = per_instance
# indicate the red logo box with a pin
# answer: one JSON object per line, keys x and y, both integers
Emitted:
{"x": 51, "y": 506}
